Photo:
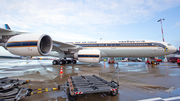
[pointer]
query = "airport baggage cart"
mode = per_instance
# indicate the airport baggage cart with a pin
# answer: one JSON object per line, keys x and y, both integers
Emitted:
{"x": 90, "y": 84}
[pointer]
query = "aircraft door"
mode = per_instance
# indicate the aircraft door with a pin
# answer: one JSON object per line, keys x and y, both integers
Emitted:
{"x": 113, "y": 45}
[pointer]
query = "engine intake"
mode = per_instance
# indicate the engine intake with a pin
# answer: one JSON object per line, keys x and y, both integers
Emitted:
{"x": 30, "y": 44}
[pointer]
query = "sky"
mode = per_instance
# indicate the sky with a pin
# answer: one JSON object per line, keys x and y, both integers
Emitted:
{"x": 90, "y": 20}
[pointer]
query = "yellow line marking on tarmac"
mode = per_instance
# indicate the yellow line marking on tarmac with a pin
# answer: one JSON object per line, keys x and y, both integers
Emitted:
{"x": 46, "y": 89}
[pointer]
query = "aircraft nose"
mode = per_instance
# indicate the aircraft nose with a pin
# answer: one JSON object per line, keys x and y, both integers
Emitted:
{"x": 173, "y": 49}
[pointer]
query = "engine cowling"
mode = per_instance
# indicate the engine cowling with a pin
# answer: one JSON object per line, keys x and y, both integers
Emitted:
{"x": 88, "y": 56}
{"x": 30, "y": 44}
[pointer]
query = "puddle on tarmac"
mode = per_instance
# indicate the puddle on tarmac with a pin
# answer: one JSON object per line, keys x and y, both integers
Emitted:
{"x": 87, "y": 97}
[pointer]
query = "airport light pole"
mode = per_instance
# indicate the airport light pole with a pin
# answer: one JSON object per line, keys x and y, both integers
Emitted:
{"x": 165, "y": 60}
{"x": 161, "y": 28}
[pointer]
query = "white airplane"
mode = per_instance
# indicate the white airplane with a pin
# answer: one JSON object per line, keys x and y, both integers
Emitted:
{"x": 28, "y": 44}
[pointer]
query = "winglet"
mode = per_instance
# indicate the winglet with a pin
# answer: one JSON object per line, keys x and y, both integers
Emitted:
{"x": 7, "y": 26}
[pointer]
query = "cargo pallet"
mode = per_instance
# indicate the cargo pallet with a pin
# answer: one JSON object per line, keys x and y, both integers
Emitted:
{"x": 9, "y": 90}
{"x": 88, "y": 85}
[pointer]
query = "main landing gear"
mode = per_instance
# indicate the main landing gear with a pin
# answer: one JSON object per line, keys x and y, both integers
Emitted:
{"x": 63, "y": 62}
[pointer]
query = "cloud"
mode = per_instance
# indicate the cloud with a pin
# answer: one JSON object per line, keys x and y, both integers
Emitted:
{"x": 69, "y": 36}
{"x": 177, "y": 24}
{"x": 77, "y": 18}
{"x": 159, "y": 5}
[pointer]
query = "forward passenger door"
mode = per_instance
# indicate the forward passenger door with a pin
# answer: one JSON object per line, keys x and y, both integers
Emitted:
{"x": 113, "y": 45}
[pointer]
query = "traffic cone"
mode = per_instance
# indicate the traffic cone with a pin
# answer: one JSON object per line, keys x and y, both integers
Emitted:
{"x": 61, "y": 70}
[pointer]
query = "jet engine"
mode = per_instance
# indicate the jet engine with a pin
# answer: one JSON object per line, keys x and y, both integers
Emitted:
{"x": 88, "y": 56}
{"x": 30, "y": 44}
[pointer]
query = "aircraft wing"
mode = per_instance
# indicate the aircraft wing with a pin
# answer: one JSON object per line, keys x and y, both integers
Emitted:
{"x": 2, "y": 30}
{"x": 5, "y": 34}
{"x": 61, "y": 46}
{"x": 8, "y": 32}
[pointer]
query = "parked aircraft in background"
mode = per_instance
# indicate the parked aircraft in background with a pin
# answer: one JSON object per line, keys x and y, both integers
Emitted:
{"x": 29, "y": 44}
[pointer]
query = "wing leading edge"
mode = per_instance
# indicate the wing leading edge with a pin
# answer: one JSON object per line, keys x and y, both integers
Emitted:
{"x": 61, "y": 46}
{"x": 2, "y": 31}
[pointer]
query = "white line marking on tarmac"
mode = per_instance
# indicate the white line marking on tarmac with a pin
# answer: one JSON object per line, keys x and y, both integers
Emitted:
{"x": 173, "y": 98}
{"x": 152, "y": 99}
{"x": 161, "y": 99}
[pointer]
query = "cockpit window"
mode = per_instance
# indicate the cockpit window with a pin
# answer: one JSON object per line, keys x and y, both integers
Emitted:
{"x": 169, "y": 44}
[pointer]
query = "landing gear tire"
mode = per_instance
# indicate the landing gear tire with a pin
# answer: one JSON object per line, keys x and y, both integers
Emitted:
{"x": 62, "y": 62}
{"x": 178, "y": 64}
{"x": 114, "y": 93}
{"x": 154, "y": 63}
{"x": 55, "y": 62}
{"x": 68, "y": 61}
{"x": 72, "y": 98}
{"x": 74, "y": 61}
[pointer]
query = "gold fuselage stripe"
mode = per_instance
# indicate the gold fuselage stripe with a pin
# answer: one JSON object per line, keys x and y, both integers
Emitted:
{"x": 20, "y": 46}
{"x": 23, "y": 41}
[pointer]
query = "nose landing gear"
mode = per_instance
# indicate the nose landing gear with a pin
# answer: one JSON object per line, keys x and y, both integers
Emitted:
{"x": 152, "y": 61}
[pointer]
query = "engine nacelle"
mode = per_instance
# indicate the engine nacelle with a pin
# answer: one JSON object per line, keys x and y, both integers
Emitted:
{"x": 30, "y": 44}
{"x": 88, "y": 56}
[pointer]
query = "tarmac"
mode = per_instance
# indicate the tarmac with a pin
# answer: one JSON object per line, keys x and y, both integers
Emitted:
{"x": 138, "y": 81}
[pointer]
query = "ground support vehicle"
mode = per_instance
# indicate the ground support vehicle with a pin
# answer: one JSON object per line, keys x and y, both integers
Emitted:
{"x": 178, "y": 62}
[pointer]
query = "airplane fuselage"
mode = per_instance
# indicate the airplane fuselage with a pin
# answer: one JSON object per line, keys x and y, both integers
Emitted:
{"x": 142, "y": 48}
